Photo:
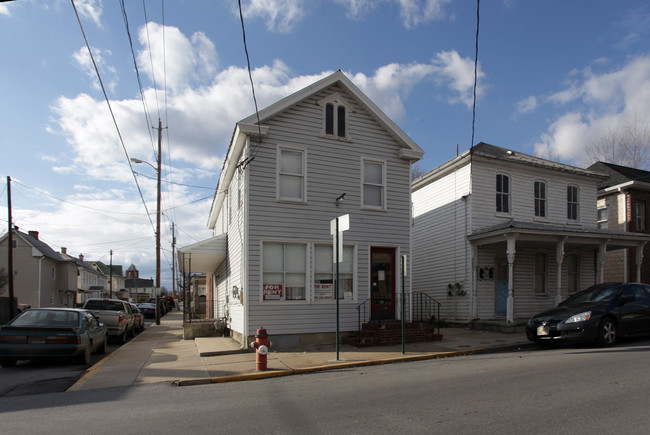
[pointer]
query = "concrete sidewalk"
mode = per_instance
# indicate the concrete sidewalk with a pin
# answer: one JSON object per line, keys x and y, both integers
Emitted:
{"x": 159, "y": 354}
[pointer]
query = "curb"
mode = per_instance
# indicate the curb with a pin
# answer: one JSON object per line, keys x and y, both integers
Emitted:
{"x": 345, "y": 365}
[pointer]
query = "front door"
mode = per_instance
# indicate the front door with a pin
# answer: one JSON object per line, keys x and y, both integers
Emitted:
{"x": 382, "y": 292}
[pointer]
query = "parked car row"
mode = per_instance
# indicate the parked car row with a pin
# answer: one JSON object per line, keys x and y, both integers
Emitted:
{"x": 601, "y": 314}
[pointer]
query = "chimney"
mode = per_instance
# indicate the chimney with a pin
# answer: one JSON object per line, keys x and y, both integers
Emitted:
{"x": 34, "y": 234}
{"x": 64, "y": 250}
{"x": 81, "y": 257}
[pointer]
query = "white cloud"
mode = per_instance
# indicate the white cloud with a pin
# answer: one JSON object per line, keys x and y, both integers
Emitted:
{"x": 4, "y": 10}
{"x": 458, "y": 72}
{"x": 108, "y": 72}
{"x": 280, "y": 15}
{"x": 412, "y": 12}
{"x": 527, "y": 105}
{"x": 91, "y": 9}
{"x": 599, "y": 103}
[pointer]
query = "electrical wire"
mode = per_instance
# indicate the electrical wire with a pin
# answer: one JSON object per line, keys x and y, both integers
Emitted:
{"x": 478, "y": 6}
{"x": 176, "y": 184}
{"x": 119, "y": 133}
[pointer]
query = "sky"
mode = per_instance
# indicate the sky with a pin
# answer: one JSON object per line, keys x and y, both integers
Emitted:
{"x": 553, "y": 77}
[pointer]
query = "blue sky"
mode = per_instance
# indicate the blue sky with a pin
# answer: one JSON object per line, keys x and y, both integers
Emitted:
{"x": 554, "y": 76}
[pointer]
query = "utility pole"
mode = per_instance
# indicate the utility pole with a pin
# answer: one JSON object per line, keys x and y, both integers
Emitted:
{"x": 173, "y": 264}
{"x": 110, "y": 284}
{"x": 10, "y": 253}
{"x": 158, "y": 226}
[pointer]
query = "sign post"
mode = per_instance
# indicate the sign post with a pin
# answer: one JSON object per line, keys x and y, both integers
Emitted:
{"x": 403, "y": 305}
{"x": 337, "y": 226}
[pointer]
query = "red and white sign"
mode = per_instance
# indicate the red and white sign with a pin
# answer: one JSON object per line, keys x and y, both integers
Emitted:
{"x": 323, "y": 291}
{"x": 272, "y": 292}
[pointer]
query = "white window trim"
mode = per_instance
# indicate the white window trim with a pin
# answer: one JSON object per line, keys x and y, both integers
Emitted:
{"x": 600, "y": 221}
{"x": 355, "y": 283}
{"x": 577, "y": 219}
{"x": 336, "y": 100}
{"x": 546, "y": 207}
{"x": 307, "y": 274}
{"x": 280, "y": 148}
{"x": 384, "y": 185}
{"x": 509, "y": 212}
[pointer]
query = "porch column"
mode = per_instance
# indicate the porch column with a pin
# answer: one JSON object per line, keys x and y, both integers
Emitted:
{"x": 510, "y": 316}
{"x": 639, "y": 259}
{"x": 474, "y": 278}
{"x": 602, "y": 255}
{"x": 559, "y": 259}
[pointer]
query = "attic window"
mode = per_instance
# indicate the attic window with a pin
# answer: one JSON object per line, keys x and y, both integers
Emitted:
{"x": 336, "y": 116}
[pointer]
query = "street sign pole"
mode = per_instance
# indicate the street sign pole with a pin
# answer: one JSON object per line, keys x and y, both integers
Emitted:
{"x": 337, "y": 226}
{"x": 403, "y": 305}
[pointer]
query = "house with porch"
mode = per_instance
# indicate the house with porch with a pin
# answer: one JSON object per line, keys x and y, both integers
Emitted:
{"x": 499, "y": 235}
{"x": 623, "y": 200}
{"x": 324, "y": 152}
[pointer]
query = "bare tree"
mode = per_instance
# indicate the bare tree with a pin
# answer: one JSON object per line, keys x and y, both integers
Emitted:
{"x": 417, "y": 170}
{"x": 626, "y": 145}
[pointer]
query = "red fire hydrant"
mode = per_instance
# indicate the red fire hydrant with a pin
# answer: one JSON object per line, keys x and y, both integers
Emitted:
{"x": 261, "y": 346}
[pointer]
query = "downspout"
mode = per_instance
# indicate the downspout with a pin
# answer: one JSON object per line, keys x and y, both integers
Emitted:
{"x": 244, "y": 254}
{"x": 40, "y": 279}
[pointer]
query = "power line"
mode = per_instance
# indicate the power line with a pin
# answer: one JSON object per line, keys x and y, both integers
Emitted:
{"x": 177, "y": 184}
{"x": 110, "y": 108}
{"x": 478, "y": 6}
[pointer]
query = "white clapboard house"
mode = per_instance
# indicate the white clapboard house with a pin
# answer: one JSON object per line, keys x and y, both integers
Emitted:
{"x": 499, "y": 235}
{"x": 324, "y": 152}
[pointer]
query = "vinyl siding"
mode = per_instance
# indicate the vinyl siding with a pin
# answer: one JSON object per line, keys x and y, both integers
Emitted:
{"x": 333, "y": 168}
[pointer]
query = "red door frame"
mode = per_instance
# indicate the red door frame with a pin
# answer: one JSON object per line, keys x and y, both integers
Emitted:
{"x": 382, "y": 284}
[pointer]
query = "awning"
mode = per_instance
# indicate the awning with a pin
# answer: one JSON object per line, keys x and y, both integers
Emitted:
{"x": 204, "y": 256}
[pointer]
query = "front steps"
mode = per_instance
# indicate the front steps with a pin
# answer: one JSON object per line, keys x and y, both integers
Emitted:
{"x": 387, "y": 332}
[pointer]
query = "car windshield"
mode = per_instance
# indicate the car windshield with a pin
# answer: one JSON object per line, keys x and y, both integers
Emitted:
{"x": 47, "y": 318}
{"x": 597, "y": 293}
{"x": 104, "y": 305}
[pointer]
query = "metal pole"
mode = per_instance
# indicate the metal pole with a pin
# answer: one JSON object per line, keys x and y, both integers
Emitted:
{"x": 10, "y": 253}
{"x": 110, "y": 284}
{"x": 403, "y": 305}
{"x": 336, "y": 287}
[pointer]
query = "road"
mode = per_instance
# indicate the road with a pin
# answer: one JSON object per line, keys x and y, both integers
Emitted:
{"x": 48, "y": 376}
{"x": 573, "y": 390}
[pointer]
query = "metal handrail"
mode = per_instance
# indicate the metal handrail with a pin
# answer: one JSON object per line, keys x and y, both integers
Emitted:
{"x": 426, "y": 308}
{"x": 358, "y": 308}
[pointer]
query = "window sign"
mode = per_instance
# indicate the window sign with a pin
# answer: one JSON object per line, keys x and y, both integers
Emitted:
{"x": 272, "y": 292}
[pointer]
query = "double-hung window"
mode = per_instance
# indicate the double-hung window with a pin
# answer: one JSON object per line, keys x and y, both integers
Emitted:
{"x": 639, "y": 215}
{"x": 325, "y": 273}
{"x": 503, "y": 193}
{"x": 540, "y": 199}
{"x": 572, "y": 202}
{"x": 292, "y": 179}
{"x": 284, "y": 271}
{"x": 602, "y": 218}
{"x": 374, "y": 184}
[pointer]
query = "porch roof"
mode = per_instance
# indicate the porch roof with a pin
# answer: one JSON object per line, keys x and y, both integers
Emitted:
{"x": 540, "y": 234}
{"x": 204, "y": 256}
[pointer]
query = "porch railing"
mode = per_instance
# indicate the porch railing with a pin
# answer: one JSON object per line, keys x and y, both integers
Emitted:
{"x": 365, "y": 307}
{"x": 426, "y": 309}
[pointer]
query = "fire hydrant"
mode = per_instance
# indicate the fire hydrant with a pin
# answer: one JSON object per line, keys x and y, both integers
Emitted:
{"x": 261, "y": 346}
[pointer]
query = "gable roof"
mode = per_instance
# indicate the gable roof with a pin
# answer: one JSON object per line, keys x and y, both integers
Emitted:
{"x": 38, "y": 244}
{"x": 250, "y": 126}
{"x": 618, "y": 175}
{"x": 497, "y": 153}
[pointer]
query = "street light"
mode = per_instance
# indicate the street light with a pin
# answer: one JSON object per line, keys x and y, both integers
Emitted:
{"x": 134, "y": 160}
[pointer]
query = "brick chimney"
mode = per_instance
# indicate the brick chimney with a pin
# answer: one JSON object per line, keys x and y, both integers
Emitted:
{"x": 64, "y": 250}
{"x": 34, "y": 234}
{"x": 81, "y": 257}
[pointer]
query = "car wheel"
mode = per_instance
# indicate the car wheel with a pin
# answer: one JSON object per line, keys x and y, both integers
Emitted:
{"x": 122, "y": 338}
{"x": 607, "y": 332}
{"x": 7, "y": 362}
{"x": 84, "y": 358}
{"x": 132, "y": 331}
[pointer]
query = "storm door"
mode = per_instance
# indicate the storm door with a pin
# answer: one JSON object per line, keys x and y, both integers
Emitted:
{"x": 382, "y": 293}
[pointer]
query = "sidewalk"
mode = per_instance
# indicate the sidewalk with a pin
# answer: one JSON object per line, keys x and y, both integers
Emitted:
{"x": 159, "y": 354}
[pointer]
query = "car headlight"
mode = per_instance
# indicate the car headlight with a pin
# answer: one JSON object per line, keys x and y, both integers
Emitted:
{"x": 582, "y": 317}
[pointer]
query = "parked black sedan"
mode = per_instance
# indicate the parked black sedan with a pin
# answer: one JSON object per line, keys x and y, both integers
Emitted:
{"x": 602, "y": 313}
{"x": 52, "y": 333}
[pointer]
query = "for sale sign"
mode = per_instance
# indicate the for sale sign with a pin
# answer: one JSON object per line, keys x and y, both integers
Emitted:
{"x": 272, "y": 292}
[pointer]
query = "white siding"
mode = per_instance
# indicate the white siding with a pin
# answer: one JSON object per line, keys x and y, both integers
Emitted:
{"x": 333, "y": 168}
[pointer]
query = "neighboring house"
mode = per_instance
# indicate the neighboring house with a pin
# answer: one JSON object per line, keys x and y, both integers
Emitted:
{"x": 91, "y": 282}
{"x": 42, "y": 277}
{"x": 323, "y": 152}
{"x": 137, "y": 289}
{"x": 499, "y": 235}
{"x": 115, "y": 279}
{"x": 623, "y": 199}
